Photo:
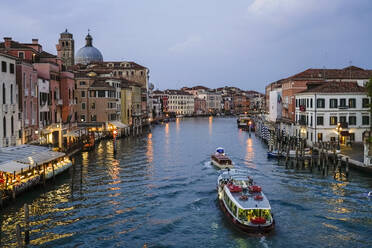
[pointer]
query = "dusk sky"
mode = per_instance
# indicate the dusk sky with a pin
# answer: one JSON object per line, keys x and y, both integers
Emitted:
{"x": 242, "y": 43}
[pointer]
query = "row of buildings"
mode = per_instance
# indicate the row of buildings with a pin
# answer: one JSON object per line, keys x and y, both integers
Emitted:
{"x": 200, "y": 100}
{"x": 321, "y": 105}
{"x": 47, "y": 98}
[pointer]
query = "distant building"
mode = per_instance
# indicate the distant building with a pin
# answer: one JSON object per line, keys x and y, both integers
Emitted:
{"x": 180, "y": 102}
{"x": 66, "y": 49}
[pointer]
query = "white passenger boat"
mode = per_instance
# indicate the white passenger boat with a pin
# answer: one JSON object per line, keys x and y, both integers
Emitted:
{"x": 243, "y": 202}
{"x": 220, "y": 159}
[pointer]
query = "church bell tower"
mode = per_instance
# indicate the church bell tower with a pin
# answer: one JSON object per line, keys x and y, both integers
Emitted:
{"x": 66, "y": 48}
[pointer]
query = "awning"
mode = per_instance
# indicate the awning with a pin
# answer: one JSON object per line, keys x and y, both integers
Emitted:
{"x": 71, "y": 134}
{"x": 41, "y": 157}
{"x": 118, "y": 124}
{"x": 13, "y": 166}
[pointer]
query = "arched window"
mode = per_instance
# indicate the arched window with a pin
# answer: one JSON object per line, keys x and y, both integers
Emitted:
{"x": 12, "y": 125}
{"x": 4, "y": 127}
{"x": 4, "y": 93}
{"x": 63, "y": 43}
{"x": 11, "y": 94}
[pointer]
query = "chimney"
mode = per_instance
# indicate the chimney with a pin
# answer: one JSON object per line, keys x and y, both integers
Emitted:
{"x": 7, "y": 42}
{"x": 35, "y": 41}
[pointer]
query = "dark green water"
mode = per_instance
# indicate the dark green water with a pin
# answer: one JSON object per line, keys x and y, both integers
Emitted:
{"x": 161, "y": 190}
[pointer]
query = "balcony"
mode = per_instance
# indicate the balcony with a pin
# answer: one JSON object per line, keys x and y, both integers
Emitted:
{"x": 343, "y": 107}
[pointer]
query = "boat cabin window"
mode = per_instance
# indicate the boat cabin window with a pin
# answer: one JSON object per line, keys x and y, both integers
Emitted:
{"x": 248, "y": 214}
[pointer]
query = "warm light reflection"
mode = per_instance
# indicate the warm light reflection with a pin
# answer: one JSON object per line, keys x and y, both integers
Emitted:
{"x": 249, "y": 153}
{"x": 149, "y": 152}
{"x": 177, "y": 124}
{"x": 210, "y": 124}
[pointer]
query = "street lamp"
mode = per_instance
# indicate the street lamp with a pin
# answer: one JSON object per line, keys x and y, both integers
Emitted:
{"x": 338, "y": 128}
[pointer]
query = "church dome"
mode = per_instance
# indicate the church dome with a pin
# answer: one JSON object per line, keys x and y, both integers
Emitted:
{"x": 88, "y": 53}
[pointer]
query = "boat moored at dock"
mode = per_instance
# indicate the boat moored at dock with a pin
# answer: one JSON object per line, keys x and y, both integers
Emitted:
{"x": 221, "y": 160}
{"x": 243, "y": 202}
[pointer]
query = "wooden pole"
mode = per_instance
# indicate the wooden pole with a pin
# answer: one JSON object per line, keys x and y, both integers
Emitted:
{"x": 347, "y": 167}
{"x": 19, "y": 236}
{"x": 54, "y": 176}
{"x": 27, "y": 224}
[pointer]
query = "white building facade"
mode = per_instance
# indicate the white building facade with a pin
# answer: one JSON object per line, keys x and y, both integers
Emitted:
{"x": 180, "y": 102}
{"x": 44, "y": 114}
{"x": 213, "y": 100}
{"x": 275, "y": 107}
{"x": 9, "y": 118}
{"x": 333, "y": 111}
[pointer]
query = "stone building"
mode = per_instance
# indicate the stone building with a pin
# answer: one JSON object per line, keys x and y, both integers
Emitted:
{"x": 180, "y": 102}
{"x": 9, "y": 122}
{"x": 336, "y": 111}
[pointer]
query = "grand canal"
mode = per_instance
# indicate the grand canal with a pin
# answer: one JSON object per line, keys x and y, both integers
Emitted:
{"x": 160, "y": 189}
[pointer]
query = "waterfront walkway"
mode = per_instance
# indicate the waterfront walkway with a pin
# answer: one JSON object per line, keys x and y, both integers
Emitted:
{"x": 356, "y": 152}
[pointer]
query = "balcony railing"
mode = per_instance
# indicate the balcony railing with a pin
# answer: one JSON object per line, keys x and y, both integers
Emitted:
{"x": 5, "y": 107}
{"x": 343, "y": 107}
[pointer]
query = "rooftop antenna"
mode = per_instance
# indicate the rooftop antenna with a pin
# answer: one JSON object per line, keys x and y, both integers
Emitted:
{"x": 88, "y": 30}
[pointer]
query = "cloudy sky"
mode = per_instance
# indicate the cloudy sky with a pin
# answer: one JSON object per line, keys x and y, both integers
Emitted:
{"x": 243, "y": 43}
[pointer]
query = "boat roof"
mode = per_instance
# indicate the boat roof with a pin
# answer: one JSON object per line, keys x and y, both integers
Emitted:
{"x": 251, "y": 203}
{"x": 243, "y": 175}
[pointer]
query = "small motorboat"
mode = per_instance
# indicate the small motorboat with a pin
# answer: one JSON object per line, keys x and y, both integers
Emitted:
{"x": 243, "y": 202}
{"x": 273, "y": 154}
{"x": 220, "y": 159}
{"x": 370, "y": 194}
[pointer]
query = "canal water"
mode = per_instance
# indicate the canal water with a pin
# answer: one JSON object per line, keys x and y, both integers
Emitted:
{"x": 160, "y": 190}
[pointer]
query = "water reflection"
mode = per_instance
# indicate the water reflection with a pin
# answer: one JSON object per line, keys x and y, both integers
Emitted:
{"x": 149, "y": 152}
{"x": 210, "y": 125}
{"x": 249, "y": 154}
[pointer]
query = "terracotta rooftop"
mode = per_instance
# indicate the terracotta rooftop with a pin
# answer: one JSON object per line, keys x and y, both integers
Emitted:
{"x": 335, "y": 87}
{"x": 177, "y": 92}
{"x": 351, "y": 72}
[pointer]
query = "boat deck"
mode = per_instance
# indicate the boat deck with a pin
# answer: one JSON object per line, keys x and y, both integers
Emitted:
{"x": 251, "y": 202}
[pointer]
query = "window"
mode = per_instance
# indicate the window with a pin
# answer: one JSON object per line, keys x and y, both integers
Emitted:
{"x": 320, "y": 137}
{"x": 12, "y": 125}
{"x": 352, "y": 120}
{"x": 352, "y": 103}
{"x": 333, "y": 120}
{"x": 307, "y": 103}
{"x": 3, "y": 66}
{"x": 93, "y": 117}
{"x": 4, "y": 127}
{"x": 332, "y": 103}
{"x": 101, "y": 93}
{"x": 83, "y": 83}
{"x": 352, "y": 136}
{"x": 342, "y": 102}
{"x": 11, "y": 68}
{"x": 320, "y": 120}
{"x": 311, "y": 102}
{"x": 11, "y": 94}
{"x": 83, "y": 93}
{"x": 311, "y": 136}
{"x": 82, "y": 118}
{"x": 21, "y": 55}
{"x": 342, "y": 119}
{"x": 311, "y": 121}
{"x": 83, "y": 105}
{"x": 93, "y": 106}
{"x": 4, "y": 99}
{"x": 365, "y": 120}
{"x": 365, "y": 102}
{"x": 320, "y": 103}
